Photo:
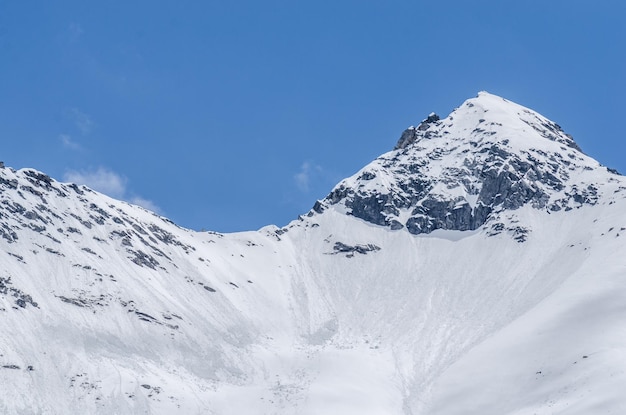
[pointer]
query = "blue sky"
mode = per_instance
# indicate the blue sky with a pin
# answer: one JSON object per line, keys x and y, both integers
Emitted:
{"x": 233, "y": 115}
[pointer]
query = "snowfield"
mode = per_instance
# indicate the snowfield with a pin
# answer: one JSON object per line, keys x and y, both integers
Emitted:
{"x": 472, "y": 270}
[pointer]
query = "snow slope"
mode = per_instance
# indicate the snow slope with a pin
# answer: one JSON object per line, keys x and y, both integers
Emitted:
{"x": 476, "y": 268}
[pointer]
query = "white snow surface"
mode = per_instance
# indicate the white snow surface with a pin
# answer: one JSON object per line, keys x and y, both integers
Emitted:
{"x": 107, "y": 308}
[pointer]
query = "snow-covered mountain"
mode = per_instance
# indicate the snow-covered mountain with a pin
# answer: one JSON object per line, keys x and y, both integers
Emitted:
{"x": 477, "y": 268}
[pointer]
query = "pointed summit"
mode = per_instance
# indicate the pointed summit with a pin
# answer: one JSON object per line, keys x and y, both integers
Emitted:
{"x": 487, "y": 112}
{"x": 488, "y": 156}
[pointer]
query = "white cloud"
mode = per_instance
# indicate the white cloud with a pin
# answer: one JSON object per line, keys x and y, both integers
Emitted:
{"x": 82, "y": 121}
{"x": 102, "y": 180}
{"x": 145, "y": 203}
{"x": 67, "y": 141}
{"x": 303, "y": 177}
{"x": 110, "y": 183}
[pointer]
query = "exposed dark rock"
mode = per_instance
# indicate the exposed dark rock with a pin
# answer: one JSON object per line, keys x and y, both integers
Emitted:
{"x": 83, "y": 222}
{"x": 22, "y": 299}
{"x": 119, "y": 234}
{"x": 139, "y": 229}
{"x": 29, "y": 189}
{"x": 11, "y": 184}
{"x": 163, "y": 235}
{"x": 38, "y": 178}
{"x": 143, "y": 259}
{"x": 7, "y": 233}
{"x": 99, "y": 210}
{"x": 340, "y": 247}
{"x": 367, "y": 176}
{"x": 395, "y": 225}
{"x": 13, "y": 207}
{"x": 372, "y": 208}
{"x": 89, "y": 251}
{"x": 145, "y": 317}
{"x": 425, "y": 124}
{"x": 32, "y": 215}
{"x": 75, "y": 188}
{"x": 54, "y": 251}
{"x": 520, "y": 234}
{"x": 75, "y": 301}
{"x": 17, "y": 256}
{"x": 318, "y": 207}
{"x": 100, "y": 220}
{"x": 408, "y": 137}
{"x": 36, "y": 228}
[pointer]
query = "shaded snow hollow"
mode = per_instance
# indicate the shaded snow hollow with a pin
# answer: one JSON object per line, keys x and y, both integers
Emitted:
{"x": 476, "y": 268}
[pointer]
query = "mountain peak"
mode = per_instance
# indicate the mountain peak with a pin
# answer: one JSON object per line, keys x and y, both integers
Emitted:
{"x": 460, "y": 172}
{"x": 488, "y": 112}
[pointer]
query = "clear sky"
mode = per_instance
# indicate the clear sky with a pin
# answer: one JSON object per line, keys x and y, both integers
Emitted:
{"x": 231, "y": 115}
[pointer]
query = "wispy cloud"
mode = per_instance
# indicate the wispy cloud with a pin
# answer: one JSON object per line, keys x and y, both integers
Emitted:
{"x": 82, "y": 121}
{"x": 145, "y": 203}
{"x": 102, "y": 180}
{"x": 67, "y": 142}
{"x": 110, "y": 183}
{"x": 304, "y": 175}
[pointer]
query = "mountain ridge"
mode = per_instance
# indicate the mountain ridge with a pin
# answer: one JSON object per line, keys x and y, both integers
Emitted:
{"x": 109, "y": 308}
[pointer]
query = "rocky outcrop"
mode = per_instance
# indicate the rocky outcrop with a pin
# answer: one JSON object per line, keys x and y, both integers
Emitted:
{"x": 458, "y": 172}
{"x": 411, "y": 134}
